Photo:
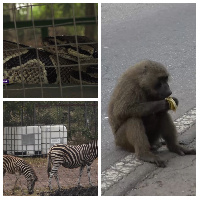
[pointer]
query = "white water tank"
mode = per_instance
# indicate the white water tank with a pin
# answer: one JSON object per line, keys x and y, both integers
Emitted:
{"x": 32, "y": 140}
{"x": 22, "y": 140}
{"x": 52, "y": 134}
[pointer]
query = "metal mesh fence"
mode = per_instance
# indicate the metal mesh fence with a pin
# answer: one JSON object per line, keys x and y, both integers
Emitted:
{"x": 32, "y": 126}
{"x": 63, "y": 65}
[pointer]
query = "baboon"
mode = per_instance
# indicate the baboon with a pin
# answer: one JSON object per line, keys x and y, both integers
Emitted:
{"x": 138, "y": 112}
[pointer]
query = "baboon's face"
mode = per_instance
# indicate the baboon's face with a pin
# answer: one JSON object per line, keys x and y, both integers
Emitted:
{"x": 161, "y": 87}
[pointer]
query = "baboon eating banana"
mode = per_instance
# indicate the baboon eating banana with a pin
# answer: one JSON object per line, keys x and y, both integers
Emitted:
{"x": 138, "y": 112}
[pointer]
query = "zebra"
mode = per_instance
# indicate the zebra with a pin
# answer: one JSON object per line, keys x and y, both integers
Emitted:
{"x": 71, "y": 156}
{"x": 18, "y": 166}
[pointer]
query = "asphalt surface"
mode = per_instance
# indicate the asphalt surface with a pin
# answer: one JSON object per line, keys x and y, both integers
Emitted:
{"x": 134, "y": 32}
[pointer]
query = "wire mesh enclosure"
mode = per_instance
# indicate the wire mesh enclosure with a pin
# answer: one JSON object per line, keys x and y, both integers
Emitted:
{"x": 50, "y": 50}
{"x": 31, "y": 128}
{"x": 44, "y": 123}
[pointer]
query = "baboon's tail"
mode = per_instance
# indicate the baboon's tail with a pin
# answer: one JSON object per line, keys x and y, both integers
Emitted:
{"x": 48, "y": 164}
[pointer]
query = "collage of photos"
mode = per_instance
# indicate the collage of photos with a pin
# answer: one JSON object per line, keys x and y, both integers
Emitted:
{"x": 50, "y": 148}
{"x": 120, "y": 125}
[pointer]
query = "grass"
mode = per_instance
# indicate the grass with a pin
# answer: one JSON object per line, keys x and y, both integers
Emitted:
{"x": 38, "y": 161}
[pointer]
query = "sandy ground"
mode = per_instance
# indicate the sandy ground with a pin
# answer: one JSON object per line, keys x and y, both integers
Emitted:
{"x": 68, "y": 178}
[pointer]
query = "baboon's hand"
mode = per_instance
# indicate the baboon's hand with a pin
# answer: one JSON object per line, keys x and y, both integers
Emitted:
{"x": 176, "y": 100}
{"x": 171, "y": 103}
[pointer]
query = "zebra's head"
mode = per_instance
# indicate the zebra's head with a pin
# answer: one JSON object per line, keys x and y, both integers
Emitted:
{"x": 31, "y": 184}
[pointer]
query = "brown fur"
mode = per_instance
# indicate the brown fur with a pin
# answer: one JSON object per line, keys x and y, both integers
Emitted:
{"x": 138, "y": 115}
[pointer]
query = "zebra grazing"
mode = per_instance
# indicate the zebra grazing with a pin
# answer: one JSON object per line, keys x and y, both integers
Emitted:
{"x": 71, "y": 156}
{"x": 18, "y": 166}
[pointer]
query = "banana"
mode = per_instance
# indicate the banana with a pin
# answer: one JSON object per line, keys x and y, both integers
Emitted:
{"x": 172, "y": 103}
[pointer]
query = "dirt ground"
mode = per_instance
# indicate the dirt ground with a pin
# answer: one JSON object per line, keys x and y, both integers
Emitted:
{"x": 68, "y": 179}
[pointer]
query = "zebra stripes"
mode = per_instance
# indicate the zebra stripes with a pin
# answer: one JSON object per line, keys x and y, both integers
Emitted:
{"x": 71, "y": 156}
{"x": 18, "y": 166}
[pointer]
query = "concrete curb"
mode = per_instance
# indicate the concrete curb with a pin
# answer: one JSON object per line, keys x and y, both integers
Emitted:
{"x": 125, "y": 174}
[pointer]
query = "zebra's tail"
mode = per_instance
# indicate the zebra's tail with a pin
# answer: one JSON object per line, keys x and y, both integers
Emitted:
{"x": 48, "y": 164}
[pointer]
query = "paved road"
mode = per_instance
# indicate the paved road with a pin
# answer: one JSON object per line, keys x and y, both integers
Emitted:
{"x": 133, "y": 32}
